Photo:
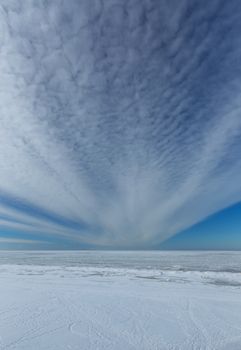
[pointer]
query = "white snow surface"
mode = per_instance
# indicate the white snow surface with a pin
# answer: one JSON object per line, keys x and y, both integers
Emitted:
{"x": 95, "y": 307}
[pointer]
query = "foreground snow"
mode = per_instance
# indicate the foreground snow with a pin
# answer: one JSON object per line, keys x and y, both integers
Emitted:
{"x": 50, "y": 307}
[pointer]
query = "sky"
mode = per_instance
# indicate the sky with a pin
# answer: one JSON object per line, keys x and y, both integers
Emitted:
{"x": 120, "y": 124}
{"x": 220, "y": 231}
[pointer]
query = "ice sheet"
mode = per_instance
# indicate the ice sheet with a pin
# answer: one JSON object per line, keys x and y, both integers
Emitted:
{"x": 96, "y": 307}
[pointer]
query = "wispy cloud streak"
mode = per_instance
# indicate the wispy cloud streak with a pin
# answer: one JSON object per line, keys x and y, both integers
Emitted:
{"x": 119, "y": 121}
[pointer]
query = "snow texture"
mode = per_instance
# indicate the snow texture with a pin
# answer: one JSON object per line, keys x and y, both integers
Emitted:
{"x": 95, "y": 307}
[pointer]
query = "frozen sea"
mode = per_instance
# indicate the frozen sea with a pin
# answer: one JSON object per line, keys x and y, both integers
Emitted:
{"x": 179, "y": 300}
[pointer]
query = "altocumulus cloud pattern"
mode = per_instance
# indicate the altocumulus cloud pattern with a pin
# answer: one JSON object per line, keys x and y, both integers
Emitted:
{"x": 120, "y": 121}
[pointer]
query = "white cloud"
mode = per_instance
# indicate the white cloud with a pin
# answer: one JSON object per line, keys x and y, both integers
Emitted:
{"x": 120, "y": 116}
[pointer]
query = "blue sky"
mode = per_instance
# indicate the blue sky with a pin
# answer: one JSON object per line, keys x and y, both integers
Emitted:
{"x": 220, "y": 231}
{"x": 120, "y": 124}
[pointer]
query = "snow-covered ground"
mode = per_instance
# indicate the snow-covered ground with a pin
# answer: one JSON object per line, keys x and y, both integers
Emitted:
{"x": 119, "y": 308}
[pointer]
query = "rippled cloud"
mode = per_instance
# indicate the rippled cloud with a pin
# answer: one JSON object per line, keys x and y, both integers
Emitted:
{"x": 120, "y": 121}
